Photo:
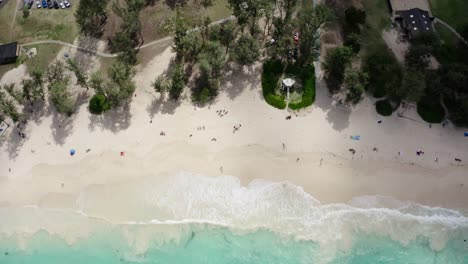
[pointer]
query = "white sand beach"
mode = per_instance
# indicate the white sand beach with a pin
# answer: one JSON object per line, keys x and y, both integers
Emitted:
{"x": 39, "y": 171}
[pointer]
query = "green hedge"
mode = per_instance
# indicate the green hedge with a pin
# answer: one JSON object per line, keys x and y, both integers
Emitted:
{"x": 98, "y": 104}
{"x": 384, "y": 108}
{"x": 308, "y": 78}
{"x": 430, "y": 110}
{"x": 272, "y": 71}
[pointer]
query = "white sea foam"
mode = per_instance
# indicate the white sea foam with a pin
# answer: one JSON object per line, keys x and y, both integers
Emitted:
{"x": 280, "y": 207}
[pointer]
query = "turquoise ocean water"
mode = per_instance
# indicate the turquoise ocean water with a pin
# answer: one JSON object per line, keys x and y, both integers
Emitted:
{"x": 259, "y": 223}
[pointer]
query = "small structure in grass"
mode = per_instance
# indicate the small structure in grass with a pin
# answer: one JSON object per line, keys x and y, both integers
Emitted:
{"x": 9, "y": 53}
{"x": 287, "y": 84}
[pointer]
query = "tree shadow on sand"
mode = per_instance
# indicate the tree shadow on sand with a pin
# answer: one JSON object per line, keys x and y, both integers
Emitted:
{"x": 237, "y": 79}
{"x": 84, "y": 58}
{"x": 162, "y": 106}
{"x": 34, "y": 113}
{"x": 337, "y": 116}
{"x": 61, "y": 127}
{"x": 14, "y": 142}
{"x": 113, "y": 120}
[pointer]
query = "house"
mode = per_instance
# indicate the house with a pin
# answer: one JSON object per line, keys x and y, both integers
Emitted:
{"x": 414, "y": 21}
{"x": 414, "y": 16}
{"x": 9, "y": 53}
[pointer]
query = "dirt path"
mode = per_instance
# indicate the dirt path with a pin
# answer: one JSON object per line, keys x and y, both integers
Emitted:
{"x": 438, "y": 20}
{"x": 113, "y": 55}
{"x": 12, "y": 25}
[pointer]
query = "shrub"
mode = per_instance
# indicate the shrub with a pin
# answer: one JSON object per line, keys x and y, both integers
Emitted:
{"x": 384, "y": 108}
{"x": 272, "y": 71}
{"x": 98, "y": 104}
{"x": 430, "y": 110}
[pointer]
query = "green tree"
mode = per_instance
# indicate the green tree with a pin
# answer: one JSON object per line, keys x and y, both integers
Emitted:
{"x": 55, "y": 72}
{"x": 248, "y": 12}
{"x": 16, "y": 94}
{"x": 8, "y": 108}
{"x": 385, "y": 73}
{"x": 81, "y": 77}
{"x": 245, "y": 51}
{"x": 121, "y": 87}
{"x": 32, "y": 88}
{"x": 91, "y": 16}
{"x": 129, "y": 35}
{"x": 414, "y": 85}
{"x": 309, "y": 21}
{"x": 228, "y": 34}
{"x": 26, "y": 11}
{"x": 211, "y": 62}
{"x": 96, "y": 82}
{"x": 177, "y": 82}
{"x": 353, "y": 18}
{"x": 62, "y": 98}
{"x": 287, "y": 8}
{"x": 335, "y": 64}
{"x": 161, "y": 85}
{"x": 355, "y": 83}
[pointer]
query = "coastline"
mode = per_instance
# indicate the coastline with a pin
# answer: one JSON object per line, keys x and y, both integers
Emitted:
{"x": 316, "y": 152}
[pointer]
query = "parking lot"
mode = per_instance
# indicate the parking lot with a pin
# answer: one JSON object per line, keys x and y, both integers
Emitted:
{"x": 48, "y": 4}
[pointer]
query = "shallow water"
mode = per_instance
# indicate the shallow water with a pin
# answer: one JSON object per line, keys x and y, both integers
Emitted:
{"x": 197, "y": 219}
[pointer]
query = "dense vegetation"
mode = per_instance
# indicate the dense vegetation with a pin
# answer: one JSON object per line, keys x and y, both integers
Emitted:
{"x": 271, "y": 74}
{"x": 415, "y": 81}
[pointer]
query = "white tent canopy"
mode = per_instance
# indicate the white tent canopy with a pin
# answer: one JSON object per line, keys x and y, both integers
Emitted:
{"x": 288, "y": 82}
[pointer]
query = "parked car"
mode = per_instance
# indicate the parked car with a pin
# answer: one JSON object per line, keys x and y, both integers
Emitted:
{"x": 56, "y": 5}
{"x": 62, "y": 5}
{"x": 30, "y": 4}
{"x": 38, "y": 4}
{"x": 44, "y": 4}
{"x": 67, "y": 4}
{"x": 49, "y": 4}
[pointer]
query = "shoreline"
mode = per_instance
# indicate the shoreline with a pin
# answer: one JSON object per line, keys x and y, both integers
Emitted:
{"x": 318, "y": 135}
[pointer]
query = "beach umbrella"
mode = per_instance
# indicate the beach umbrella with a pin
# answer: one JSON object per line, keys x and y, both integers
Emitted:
{"x": 72, "y": 152}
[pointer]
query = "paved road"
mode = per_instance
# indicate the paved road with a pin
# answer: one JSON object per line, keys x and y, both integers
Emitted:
{"x": 113, "y": 55}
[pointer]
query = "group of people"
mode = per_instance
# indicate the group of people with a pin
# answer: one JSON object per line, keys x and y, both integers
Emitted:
{"x": 222, "y": 112}
{"x": 236, "y": 127}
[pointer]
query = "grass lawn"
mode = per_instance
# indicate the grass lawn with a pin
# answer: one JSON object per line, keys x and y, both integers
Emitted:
{"x": 6, "y": 16}
{"x": 44, "y": 23}
{"x": 154, "y": 17}
{"x": 454, "y": 12}
{"x": 45, "y": 54}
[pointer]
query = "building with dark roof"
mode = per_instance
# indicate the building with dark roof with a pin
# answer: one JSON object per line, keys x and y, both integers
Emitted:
{"x": 414, "y": 21}
{"x": 9, "y": 53}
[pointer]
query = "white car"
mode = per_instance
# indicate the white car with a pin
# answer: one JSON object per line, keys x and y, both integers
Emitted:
{"x": 67, "y": 4}
{"x": 38, "y": 4}
{"x": 62, "y": 5}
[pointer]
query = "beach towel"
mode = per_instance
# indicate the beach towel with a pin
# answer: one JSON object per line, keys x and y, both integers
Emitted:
{"x": 357, "y": 137}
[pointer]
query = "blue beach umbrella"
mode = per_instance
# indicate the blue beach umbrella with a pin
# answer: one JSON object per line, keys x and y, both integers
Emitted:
{"x": 72, "y": 152}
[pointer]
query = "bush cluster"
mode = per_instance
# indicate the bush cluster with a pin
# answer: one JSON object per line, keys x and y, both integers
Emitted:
{"x": 384, "y": 108}
{"x": 430, "y": 110}
{"x": 98, "y": 104}
{"x": 272, "y": 71}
